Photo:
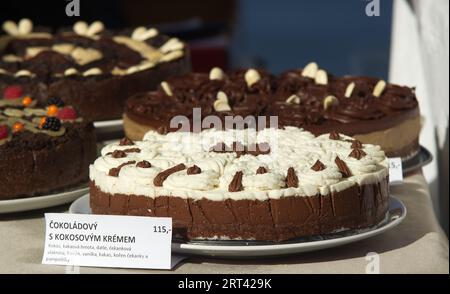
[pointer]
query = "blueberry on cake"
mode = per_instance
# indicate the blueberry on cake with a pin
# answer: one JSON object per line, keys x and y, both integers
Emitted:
{"x": 271, "y": 184}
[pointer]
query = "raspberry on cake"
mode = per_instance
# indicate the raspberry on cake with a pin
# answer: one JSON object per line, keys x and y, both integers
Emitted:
{"x": 271, "y": 185}
{"x": 367, "y": 109}
{"x": 88, "y": 65}
{"x": 40, "y": 152}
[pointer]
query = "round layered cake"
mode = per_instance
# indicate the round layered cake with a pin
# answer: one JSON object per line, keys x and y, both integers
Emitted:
{"x": 42, "y": 150}
{"x": 367, "y": 109}
{"x": 271, "y": 185}
{"x": 88, "y": 67}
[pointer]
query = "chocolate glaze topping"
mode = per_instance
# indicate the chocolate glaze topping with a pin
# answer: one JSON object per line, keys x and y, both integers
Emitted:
{"x": 236, "y": 183}
{"x": 126, "y": 142}
{"x": 357, "y": 153}
{"x": 268, "y": 220}
{"x": 93, "y": 72}
{"x": 291, "y": 179}
{"x": 334, "y": 135}
{"x": 267, "y": 97}
{"x": 49, "y": 62}
{"x": 129, "y": 150}
{"x": 318, "y": 166}
{"x": 118, "y": 154}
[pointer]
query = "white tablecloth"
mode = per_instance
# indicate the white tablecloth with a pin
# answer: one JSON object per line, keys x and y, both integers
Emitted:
{"x": 417, "y": 245}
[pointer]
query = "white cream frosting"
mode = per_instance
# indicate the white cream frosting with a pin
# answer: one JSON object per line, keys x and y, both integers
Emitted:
{"x": 289, "y": 147}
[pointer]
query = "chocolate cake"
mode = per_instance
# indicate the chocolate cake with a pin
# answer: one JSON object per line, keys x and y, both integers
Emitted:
{"x": 367, "y": 109}
{"x": 88, "y": 67}
{"x": 42, "y": 150}
{"x": 271, "y": 185}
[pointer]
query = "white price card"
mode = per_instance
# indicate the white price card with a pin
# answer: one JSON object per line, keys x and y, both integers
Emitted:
{"x": 395, "y": 170}
{"x": 107, "y": 240}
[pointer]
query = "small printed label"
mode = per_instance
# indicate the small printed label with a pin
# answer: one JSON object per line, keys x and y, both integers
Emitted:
{"x": 395, "y": 170}
{"x": 108, "y": 241}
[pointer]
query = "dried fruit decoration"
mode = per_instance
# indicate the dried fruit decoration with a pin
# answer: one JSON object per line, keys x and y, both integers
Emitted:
{"x": 3, "y": 132}
{"x": 67, "y": 113}
{"x": 52, "y": 110}
{"x": 12, "y": 92}
{"x": 17, "y": 127}
{"x": 26, "y": 101}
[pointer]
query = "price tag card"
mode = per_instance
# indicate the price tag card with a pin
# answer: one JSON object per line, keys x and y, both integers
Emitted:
{"x": 107, "y": 241}
{"x": 395, "y": 170}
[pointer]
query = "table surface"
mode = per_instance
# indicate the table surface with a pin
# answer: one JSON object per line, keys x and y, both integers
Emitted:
{"x": 417, "y": 245}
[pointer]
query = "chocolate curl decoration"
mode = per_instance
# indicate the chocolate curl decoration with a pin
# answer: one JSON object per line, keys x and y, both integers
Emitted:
{"x": 162, "y": 176}
{"x": 357, "y": 153}
{"x": 343, "y": 168}
{"x": 114, "y": 172}
{"x": 291, "y": 179}
{"x": 236, "y": 183}
{"x": 126, "y": 142}
{"x": 220, "y": 147}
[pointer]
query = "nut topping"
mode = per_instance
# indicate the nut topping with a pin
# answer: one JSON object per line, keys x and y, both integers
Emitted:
{"x": 329, "y": 102}
{"x": 379, "y": 88}
{"x": 166, "y": 87}
{"x": 252, "y": 77}
{"x": 349, "y": 89}
{"x": 321, "y": 77}
{"x": 216, "y": 73}
{"x": 293, "y": 99}
{"x": 310, "y": 70}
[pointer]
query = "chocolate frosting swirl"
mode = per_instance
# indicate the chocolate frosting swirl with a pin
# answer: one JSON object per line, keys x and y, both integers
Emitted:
{"x": 267, "y": 97}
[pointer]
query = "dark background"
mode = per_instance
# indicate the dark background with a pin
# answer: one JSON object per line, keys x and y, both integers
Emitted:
{"x": 276, "y": 35}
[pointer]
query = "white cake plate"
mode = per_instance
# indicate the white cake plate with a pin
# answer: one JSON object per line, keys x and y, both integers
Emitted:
{"x": 252, "y": 249}
{"x": 109, "y": 129}
{"x": 109, "y": 124}
{"x": 44, "y": 201}
{"x": 422, "y": 158}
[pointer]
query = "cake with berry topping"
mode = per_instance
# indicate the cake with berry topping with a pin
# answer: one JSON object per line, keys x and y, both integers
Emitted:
{"x": 88, "y": 67}
{"x": 271, "y": 185}
{"x": 42, "y": 150}
{"x": 367, "y": 109}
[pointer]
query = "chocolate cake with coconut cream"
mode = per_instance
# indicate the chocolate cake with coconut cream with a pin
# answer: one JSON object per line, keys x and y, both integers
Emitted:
{"x": 272, "y": 185}
{"x": 88, "y": 67}
{"x": 367, "y": 109}
{"x": 41, "y": 149}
